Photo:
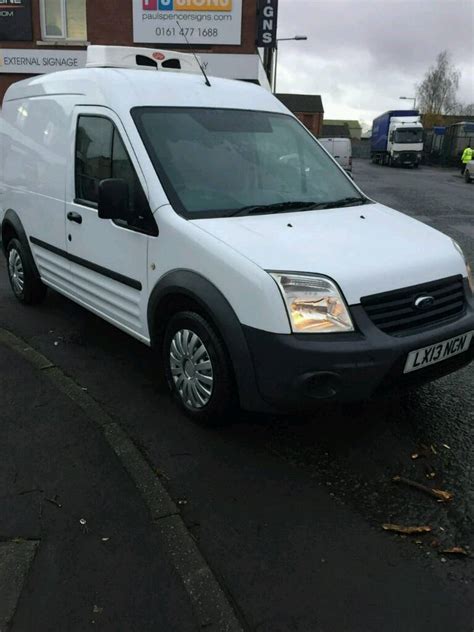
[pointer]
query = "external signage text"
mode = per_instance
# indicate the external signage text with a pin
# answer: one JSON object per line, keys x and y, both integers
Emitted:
{"x": 267, "y": 23}
{"x": 27, "y": 61}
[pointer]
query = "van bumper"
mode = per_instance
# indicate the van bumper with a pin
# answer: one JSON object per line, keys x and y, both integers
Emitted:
{"x": 296, "y": 372}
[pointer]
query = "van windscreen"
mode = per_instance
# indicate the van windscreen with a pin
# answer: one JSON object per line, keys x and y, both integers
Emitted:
{"x": 215, "y": 162}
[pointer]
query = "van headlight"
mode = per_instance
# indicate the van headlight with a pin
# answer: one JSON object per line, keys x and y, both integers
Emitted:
{"x": 470, "y": 276}
{"x": 314, "y": 304}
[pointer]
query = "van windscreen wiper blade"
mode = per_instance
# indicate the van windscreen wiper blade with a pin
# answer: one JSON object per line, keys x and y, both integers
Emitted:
{"x": 347, "y": 201}
{"x": 274, "y": 208}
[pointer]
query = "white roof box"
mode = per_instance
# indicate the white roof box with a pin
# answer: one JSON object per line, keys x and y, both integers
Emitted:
{"x": 140, "y": 58}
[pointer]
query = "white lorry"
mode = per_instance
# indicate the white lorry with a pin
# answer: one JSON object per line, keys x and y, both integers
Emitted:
{"x": 397, "y": 138}
{"x": 202, "y": 218}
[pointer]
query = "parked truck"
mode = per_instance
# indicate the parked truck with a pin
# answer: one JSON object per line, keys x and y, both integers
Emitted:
{"x": 397, "y": 138}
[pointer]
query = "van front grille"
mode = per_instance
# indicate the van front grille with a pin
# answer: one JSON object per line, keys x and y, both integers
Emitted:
{"x": 396, "y": 313}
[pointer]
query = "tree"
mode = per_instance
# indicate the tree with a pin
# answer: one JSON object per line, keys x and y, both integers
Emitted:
{"x": 465, "y": 109}
{"x": 437, "y": 92}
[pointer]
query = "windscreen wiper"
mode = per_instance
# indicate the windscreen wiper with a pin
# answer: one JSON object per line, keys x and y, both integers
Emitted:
{"x": 274, "y": 208}
{"x": 282, "y": 207}
{"x": 347, "y": 201}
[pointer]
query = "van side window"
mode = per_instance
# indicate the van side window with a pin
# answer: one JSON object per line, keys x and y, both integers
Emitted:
{"x": 101, "y": 154}
{"x": 93, "y": 156}
{"x": 123, "y": 168}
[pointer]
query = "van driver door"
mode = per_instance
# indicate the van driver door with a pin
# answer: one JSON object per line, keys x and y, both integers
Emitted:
{"x": 108, "y": 258}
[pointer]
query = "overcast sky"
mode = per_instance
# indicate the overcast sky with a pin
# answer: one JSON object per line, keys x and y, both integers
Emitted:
{"x": 361, "y": 55}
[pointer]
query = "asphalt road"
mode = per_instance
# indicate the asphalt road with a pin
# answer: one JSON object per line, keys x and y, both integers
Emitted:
{"x": 288, "y": 511}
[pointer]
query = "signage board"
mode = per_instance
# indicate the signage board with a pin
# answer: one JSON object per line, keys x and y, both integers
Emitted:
{"x": 267, "y": 23}
{"x": 202, "y": 21}
{"x": 15, "y": 21}
{"x": 37, "y": 62}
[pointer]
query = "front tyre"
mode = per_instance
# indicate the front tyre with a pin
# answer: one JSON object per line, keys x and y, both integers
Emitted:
{"x": 467, "y": 176}
{"x": 197, "y": 369}
{"x": 26, "y": 286}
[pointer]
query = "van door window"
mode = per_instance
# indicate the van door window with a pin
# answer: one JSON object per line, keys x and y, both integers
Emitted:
{"x": 101, "y": 154}
{"x": 122, "y": 168}
{"x": 93, "y": 156}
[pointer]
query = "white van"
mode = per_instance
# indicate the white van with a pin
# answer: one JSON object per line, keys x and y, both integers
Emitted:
{"x": 340, "y": 149}
{"x": 208, "y": 223}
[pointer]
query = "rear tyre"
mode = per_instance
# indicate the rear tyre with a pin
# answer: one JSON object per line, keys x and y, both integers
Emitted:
{"x": 25, "y": 284}
{"x": 467, "y": 176}
{"x": 197, "y": 369}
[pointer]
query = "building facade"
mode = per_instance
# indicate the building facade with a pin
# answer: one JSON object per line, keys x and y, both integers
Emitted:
{"x": 308, "y": 108}
{"x": 38, "y": 36}
{"x": 355, "y": 128}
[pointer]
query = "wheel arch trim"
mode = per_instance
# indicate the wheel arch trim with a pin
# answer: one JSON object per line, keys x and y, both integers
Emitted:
{"x": 11, "y": 218}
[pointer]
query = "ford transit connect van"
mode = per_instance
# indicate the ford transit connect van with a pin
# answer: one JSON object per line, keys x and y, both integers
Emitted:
{"x": 208, "y": 223}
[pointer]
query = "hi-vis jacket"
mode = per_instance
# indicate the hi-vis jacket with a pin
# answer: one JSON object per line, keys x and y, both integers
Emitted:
{"x": 467, "y": 155}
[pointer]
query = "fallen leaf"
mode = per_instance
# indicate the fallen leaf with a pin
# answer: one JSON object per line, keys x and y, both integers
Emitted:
{"x": 442, "y": 495}
{"x": 433, "y": 449}
{"x": 405, "y": 530}
{"x": 97, "y": 610}
{"x": 415, "y": 455}
{"x": 455, "y": 550}
{"x": 445, "y": 445}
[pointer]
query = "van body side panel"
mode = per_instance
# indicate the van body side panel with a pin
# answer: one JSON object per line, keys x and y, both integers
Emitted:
{"x": 36, "y": 143}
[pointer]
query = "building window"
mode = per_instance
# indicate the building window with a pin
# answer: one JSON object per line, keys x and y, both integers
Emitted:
{"x": 64, "y": 20}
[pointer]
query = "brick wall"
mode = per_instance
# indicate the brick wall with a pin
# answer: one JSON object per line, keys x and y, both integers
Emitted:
{"x": 312, "y": 120}
{"x": 110, "y": 22}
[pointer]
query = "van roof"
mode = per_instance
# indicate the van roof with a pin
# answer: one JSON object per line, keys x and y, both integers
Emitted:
{"x": 126, "y": 89}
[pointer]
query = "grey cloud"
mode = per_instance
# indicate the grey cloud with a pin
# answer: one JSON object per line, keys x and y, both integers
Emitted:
{"x": 362, "y": 55}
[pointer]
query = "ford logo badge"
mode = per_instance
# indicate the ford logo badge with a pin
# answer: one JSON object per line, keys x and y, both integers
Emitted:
{"x": 424, "y": 302}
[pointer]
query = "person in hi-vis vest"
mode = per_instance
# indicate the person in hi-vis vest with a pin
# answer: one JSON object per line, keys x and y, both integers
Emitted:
{"x": 467, "y": 156}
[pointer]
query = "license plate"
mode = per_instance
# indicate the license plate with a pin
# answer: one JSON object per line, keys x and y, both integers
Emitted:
{"x": 433, "y": 354}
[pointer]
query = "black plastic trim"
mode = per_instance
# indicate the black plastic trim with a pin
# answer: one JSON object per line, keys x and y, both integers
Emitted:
{"x": 11, "y": 218}
{"x": 120, "y": 278}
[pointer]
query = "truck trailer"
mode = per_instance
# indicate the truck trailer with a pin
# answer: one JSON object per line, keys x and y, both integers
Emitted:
{"x": 397, "y": 138}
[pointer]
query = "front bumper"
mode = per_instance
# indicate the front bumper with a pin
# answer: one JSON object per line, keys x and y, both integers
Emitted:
{"x": 296, "y": 371}
{"x": 406, "y": 158}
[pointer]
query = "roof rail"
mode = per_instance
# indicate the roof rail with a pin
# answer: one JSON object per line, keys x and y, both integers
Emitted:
{"x": 140, "y": 58}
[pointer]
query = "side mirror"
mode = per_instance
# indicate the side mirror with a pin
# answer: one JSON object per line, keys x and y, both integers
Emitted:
{"x": 114, "y": 198}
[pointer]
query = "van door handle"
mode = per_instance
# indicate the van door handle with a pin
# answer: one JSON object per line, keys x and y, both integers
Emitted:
{"x": 74, "y": 217}
{"x": 337, "y": 156}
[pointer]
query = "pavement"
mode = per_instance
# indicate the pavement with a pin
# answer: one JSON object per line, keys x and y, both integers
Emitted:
{"x": 282, "y": 516}
{"x": 63, "y": 488}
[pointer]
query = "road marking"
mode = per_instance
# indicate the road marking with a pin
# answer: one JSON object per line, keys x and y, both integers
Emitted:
{"x": 16, "y": 558}
{"x": 212, "y": 608}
